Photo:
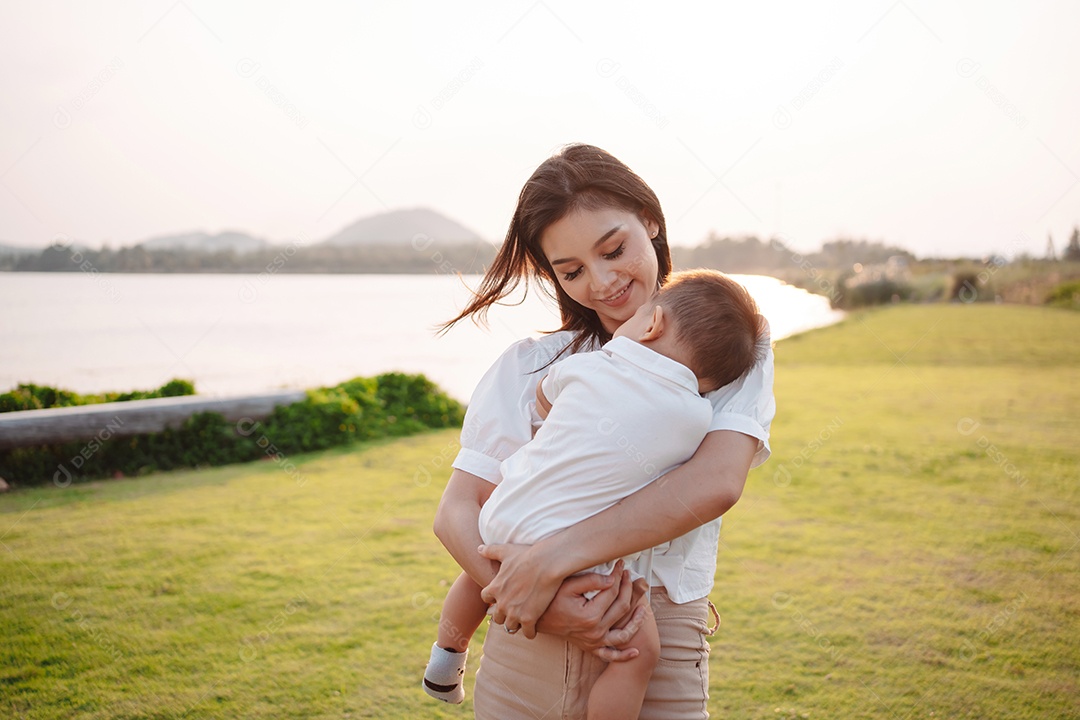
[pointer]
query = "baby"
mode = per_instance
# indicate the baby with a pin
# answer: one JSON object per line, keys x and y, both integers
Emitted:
{"x": 614, "y": 421}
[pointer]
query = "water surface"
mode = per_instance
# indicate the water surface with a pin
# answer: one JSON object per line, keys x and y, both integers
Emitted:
{"x": 247, "y": 333}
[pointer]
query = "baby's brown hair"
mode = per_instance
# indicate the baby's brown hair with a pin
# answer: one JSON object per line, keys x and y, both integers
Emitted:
{"x": 717, "y": 322}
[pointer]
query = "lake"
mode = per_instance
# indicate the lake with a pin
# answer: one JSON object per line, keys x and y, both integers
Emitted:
{"x": 235, "y": 334}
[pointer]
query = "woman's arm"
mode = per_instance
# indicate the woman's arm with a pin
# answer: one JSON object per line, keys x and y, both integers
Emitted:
{"x": 701, "y": 490}
{"x": 585, "y": 622}
{"x": 457, "y": 524}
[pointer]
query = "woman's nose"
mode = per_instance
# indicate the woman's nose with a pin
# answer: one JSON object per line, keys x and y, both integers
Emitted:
{"x": 603, "y": 280}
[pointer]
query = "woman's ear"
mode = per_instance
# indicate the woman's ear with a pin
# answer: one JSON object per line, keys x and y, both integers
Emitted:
{"x": 652, "y": 228}
{"x": 656, "y": 326}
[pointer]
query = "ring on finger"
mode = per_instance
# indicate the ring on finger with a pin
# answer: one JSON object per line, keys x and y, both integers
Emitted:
{"x": 511, "y": 631}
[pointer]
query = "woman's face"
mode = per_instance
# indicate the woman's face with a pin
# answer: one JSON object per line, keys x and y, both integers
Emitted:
{"x": 604, "y": 260}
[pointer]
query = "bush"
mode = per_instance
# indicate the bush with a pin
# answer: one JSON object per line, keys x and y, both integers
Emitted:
{"x": 966, "y": 287}
{"x": 1066, "y": 295}
{"x": 931, "y": 287}
{"x": 36, "y": 397}
{"x": 39, "y": 397}
{"x": 411, "y": 402}
{"x": 393, "y": 404}
{"x": 204, "y": 439}
{"x": 327, "y": 417}
{"x": 878, "y": 292}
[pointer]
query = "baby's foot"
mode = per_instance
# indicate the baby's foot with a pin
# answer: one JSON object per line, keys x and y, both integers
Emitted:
{"x": 443, "y": 676}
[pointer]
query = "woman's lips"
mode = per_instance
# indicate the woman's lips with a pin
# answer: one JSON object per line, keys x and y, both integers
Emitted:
{"x": 620, "y": 298}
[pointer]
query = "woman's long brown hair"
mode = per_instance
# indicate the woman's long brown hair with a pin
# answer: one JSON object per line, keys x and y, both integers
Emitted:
{"x": 578, "y": 177}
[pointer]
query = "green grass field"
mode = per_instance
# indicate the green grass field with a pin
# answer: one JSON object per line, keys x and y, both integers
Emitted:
{"x": 910, "y": 551}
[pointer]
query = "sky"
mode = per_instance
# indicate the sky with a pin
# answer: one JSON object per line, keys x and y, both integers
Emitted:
{"x": 943, "y": 128}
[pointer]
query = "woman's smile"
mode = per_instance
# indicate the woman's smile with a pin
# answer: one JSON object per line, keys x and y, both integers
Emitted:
{"x": 620, "y": 297}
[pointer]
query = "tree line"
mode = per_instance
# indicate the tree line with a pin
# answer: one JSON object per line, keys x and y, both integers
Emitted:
{"x": 749, "y": 255}
{"x": 413, "y": 258}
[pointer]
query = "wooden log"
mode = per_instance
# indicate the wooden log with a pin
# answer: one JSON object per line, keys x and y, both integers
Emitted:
{"x": 134, "y": 417}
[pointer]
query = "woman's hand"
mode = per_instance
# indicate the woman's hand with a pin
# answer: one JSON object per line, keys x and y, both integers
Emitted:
{"x": 565, "y": 611}
{"x": 522, "y": 588}
{"x": 592, "y": 625}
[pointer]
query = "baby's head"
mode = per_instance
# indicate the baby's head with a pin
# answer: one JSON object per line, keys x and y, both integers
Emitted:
{"x": 711, "y": 324}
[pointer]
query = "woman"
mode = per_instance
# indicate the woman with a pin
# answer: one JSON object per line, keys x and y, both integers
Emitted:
{"x": 591, "y": 233}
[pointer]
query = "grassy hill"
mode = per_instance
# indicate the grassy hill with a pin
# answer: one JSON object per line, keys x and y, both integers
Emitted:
{"x": 909, "y": 551}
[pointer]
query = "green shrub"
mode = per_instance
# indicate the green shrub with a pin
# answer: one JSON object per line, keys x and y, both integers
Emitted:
{"x": 931, "y": 287}
{"x": 393, "y": 404}
{"x": 878, "y": 292}
{"x": 411, "y": 402}
{"x": 34, "y": 397}
{"x": 1065, "y": 295}
{"x": 28, "y": 396}
{"x": 967, "y": 288}
{"x": 327, "y": 417}
{"x": 204, "y": 439}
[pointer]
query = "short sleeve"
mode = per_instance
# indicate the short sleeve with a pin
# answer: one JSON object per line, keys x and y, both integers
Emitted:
{"x": 553, "y": 383}
{"x": 499, "y": 418}
{"x": 747, "y": 406}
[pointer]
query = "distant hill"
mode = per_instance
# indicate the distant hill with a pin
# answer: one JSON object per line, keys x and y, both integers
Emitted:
{"x": 6, "y": 249}
{"x": 387, "y": 242}
{"x": 399, "y": 227}
{"x": 236, "y": 241}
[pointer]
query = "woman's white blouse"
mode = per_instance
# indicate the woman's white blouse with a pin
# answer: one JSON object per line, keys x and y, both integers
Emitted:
{"x": 500, "y": 419}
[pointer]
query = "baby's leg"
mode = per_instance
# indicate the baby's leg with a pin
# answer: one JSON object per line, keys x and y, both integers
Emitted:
{"x": 462, "y": 613}
{"x": 620, "y": 689}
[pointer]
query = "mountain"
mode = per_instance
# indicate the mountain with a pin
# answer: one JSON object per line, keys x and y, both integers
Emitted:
{"x": 236, "y": 241}
{"x": 397, "y": 227}
{"x": 6, "y": 249}
{"x": 400, "y": 227}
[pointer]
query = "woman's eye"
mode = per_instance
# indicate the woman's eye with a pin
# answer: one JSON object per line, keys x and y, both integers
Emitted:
{"x": 616, "y": 252}
{"x": 570, "y": 276}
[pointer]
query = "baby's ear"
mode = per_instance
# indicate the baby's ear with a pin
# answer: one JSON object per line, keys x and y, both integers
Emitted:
{"x": 657, "y": 325}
